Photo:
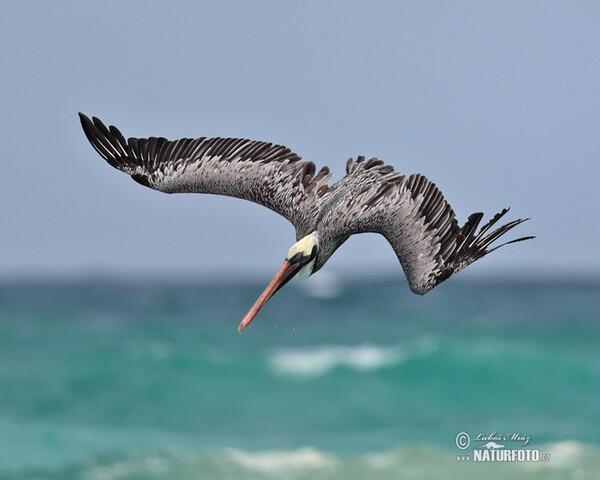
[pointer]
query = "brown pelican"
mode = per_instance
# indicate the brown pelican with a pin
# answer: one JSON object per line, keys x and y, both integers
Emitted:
{"x": 409, "y": 211}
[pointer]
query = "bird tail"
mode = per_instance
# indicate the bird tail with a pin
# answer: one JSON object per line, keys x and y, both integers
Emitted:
{"x": 471, "y": 246}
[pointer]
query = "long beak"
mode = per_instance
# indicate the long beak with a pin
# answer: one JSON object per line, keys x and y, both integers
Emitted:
{"x": 285, "y": 274}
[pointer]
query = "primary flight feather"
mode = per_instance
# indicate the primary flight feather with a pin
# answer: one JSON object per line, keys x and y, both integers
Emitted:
{"x": 409, "y": 211}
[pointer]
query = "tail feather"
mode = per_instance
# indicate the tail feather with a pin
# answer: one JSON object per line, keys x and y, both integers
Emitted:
{"x": 491, "y": 223}
{"x": 467, "y": 230}
{"x": 472, "y": 247}
{"x": 496, "y": 234}
{"x": 512, "y": 241}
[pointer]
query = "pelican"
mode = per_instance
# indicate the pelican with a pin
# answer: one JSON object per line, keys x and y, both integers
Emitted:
{"x": 409, "y": 211}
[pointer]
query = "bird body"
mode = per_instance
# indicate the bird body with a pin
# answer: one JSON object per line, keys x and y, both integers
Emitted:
{"x": 409, "y": 211}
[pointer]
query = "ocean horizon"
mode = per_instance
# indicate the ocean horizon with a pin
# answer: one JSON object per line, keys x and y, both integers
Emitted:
{"x": 121, "y": 378}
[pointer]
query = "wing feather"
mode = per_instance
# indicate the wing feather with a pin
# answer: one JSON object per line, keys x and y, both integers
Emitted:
{"x": 412, "y": 214}
{"x": 267, "y": 174}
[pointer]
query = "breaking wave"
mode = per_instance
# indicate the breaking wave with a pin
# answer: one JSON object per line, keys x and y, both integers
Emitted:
{"x": 569, "y": 459}
{"x": 316, "y": 361}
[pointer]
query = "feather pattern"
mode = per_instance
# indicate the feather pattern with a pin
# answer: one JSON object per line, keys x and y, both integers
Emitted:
{"x": 267, "y": 174}
{"x": 410, "y": 212}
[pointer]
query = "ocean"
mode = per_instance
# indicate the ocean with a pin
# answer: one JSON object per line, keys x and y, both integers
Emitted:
{"x": 108, "y": 379}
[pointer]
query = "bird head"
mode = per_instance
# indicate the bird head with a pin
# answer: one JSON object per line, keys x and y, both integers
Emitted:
{"x": 300, "y": 260}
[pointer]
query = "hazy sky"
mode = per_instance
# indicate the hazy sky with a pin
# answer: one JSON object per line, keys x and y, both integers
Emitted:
{"x": 498, "y": 103}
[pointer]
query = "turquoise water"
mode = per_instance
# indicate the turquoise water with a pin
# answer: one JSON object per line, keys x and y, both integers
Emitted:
{"x": 114, "y": 380}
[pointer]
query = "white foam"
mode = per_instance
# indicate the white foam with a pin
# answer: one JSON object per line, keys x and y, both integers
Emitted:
{"x": 569, "y": 460}
{"x": 282, "y": 461}
{"x": 569, "y": 455}
{"x": 315, "y": 361}
{"x": 323, "y": 285}
{"x": 320, "y": 360}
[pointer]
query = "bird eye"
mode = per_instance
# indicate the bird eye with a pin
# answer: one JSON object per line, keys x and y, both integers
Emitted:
{"x": 297, "y": 258}
{"x": 300, "y": 257}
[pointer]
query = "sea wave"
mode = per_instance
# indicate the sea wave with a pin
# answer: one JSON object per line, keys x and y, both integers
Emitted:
{"x": 409, "y": 461}
{"x": 316, "y": 361}
{"x": 279, "y": 462}
{"x": 323, "y": 285}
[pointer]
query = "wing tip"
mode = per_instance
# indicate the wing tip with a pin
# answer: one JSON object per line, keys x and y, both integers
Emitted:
{"x": 104, "y": 140}
{"x": 85, "y": 122}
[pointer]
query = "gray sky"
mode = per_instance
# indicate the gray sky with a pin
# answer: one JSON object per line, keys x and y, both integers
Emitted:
{"x": 498, "y": 103}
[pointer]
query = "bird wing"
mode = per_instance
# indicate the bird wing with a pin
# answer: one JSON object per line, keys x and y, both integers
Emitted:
{"x": 411, "y": 213}
{"x": 267, "y": 174}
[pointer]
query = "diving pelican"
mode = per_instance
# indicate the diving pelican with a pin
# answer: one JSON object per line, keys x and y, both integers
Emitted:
{"x": 409, "y": 211}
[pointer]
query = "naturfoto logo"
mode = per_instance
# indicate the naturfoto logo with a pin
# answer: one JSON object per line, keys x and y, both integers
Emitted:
{"x": 494, "y": 448}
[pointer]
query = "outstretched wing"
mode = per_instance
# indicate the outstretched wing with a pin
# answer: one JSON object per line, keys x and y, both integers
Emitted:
{"x": 267, "y": 174}
{"x": 411, "y": 213}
